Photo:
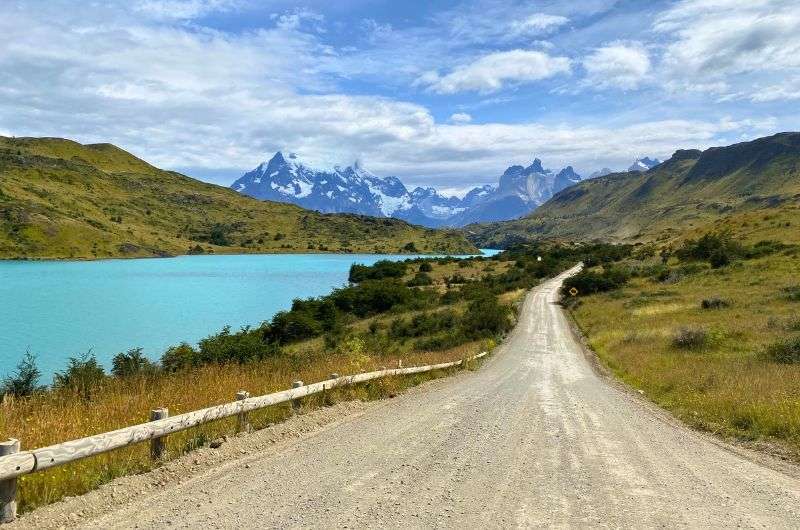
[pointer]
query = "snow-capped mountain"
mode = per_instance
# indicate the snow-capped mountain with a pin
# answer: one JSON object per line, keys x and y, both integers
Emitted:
{"x": 520, "y": 191}
{"x": 353, "y": 189}
{"x": 643, "y": 164}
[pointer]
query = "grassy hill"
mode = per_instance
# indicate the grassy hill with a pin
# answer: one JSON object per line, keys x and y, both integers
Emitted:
{"x": 735, "y": 186}
{"x": 61, "y": 199}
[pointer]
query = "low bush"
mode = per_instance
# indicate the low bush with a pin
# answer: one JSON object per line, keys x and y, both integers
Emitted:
{"x": 82, "y": 375}
{"x": 420, "y": 279}
{"x": 380, "y": 270}
{"x": 131, "y": 363}
{"x": 785, "y": 352}
{"x": 792, "y": 293}
{"x": 590, "y": 282}
{"x": 25, "y": 381}
{"x": 688, "y": 338}
{"x": 425, "y": 266}
{"x": 714, "y": 303}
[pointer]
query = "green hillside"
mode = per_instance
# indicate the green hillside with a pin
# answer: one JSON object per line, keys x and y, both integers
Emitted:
{"x": 61, "y": 199}
{"x": 733, "y": 186}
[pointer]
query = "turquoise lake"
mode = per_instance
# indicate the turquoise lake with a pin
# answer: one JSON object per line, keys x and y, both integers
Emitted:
{"x": 59, "y": 309}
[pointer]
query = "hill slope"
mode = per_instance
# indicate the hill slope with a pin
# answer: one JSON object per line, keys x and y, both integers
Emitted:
{"x": 61, "y": 199}
{"x": 689, "y": 190}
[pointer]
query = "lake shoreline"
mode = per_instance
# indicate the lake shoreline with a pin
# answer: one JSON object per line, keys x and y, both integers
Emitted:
{"x": 293, "y": 253}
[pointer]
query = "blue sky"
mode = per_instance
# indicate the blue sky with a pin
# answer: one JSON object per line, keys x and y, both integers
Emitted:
{"x": 444, "y": 93}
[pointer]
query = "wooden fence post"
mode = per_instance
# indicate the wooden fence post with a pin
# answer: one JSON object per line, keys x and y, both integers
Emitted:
{"x": 242, "y": 424}
{"x": 157, "y": 448}
{"x": 8, "y": 488}
{"x": 296, "y": 402}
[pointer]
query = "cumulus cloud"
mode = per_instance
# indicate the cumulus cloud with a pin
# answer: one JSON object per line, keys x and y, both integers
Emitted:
{"x": 461, "y": 117}
{"x": 730, "y": 41}
{"x": 618, "y": 64}
{"x": 492, "y": 72}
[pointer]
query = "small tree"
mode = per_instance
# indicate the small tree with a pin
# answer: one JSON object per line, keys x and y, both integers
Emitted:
{"x": 25, "y": 380}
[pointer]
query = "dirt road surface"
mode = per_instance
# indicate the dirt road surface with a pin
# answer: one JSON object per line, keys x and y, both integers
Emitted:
{"x": 535, "y": 438}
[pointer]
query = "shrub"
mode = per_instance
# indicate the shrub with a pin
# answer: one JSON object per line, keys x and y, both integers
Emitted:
{"x": 485, "y": 317}
{"x": 380, "y": 270}
{"x": 25, "y": 380}
{"x": 82, "y": 375}
{"x": 179, "y": 357}
{"x": 792, "y": 293}
{"x": 714, "y": 303}
{"x": 132, "y": 362}
{"x": 785, "y": 352}
{"x": 690, "y": 338}
{"x": 719, "y": 258}
{"x": 293, "y": 326}
{"x": 716, "y": 248}
{"x": 425, "y": 266}
{"x": 420, "y": 279}
{"x": 589, "y": 282}
{"x": 246, "y": 345}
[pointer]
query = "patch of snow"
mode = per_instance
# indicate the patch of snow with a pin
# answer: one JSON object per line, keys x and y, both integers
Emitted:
{"x": 305, "y": 188}
{"x": 257, "y": 180}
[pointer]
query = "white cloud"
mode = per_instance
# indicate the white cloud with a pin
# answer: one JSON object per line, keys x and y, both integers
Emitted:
{"x": 733, "y": 42}
{"x": 492, "y": 72}
{"x": 183, "y": 9}
{"x": 460, "y": 117}
{"x": 180, "y": 95}
{"x": 538, "y": 23}
{"x": 617, "y": 64}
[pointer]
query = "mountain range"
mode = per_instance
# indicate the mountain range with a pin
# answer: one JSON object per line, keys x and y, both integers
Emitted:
{"x": 353, "y": 189}
{"x": 750, "y": 181}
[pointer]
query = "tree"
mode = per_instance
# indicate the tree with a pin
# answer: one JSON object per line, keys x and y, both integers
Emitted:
{"x": 25, "y": 380}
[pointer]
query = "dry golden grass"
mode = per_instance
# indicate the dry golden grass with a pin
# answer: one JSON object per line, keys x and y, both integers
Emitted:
{"x": 57, "y": 417}
{"x": 727, "y": 386}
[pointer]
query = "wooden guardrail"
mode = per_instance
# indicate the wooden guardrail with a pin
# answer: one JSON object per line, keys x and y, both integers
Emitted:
{"x": 15, "y": 463}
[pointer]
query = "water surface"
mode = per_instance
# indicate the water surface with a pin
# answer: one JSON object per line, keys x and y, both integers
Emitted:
{"x": 58, "y": 309}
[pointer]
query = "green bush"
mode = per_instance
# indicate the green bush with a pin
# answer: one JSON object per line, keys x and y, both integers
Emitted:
{"x": 590, "y": 282}
{"x": 25, "y": 381}
{"x": 380, "y": 270}
{"x": 714, "y": 302}
{"x": 179, "y": 358}
{"x": 785, "y": 352}
{"x": 82, "y": 375}
{"x": 130, "y": 363}
{"x": 420, "y": 279}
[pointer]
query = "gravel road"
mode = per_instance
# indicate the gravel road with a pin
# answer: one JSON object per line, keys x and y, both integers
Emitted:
{"x": 535, "y": 438}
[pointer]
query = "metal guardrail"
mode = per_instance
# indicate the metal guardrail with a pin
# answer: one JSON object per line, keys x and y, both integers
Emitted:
{"x": 15, "y": 463}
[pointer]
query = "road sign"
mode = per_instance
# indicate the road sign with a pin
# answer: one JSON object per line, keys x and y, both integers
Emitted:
{"x": 573, "y": 292}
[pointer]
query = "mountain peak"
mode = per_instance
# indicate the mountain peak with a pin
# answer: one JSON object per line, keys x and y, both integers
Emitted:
{"x": 536, "y": 166}
{"x": 643, "y": 164}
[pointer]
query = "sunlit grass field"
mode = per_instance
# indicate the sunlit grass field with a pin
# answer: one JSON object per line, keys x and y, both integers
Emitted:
{"x": 727, "y": 385}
